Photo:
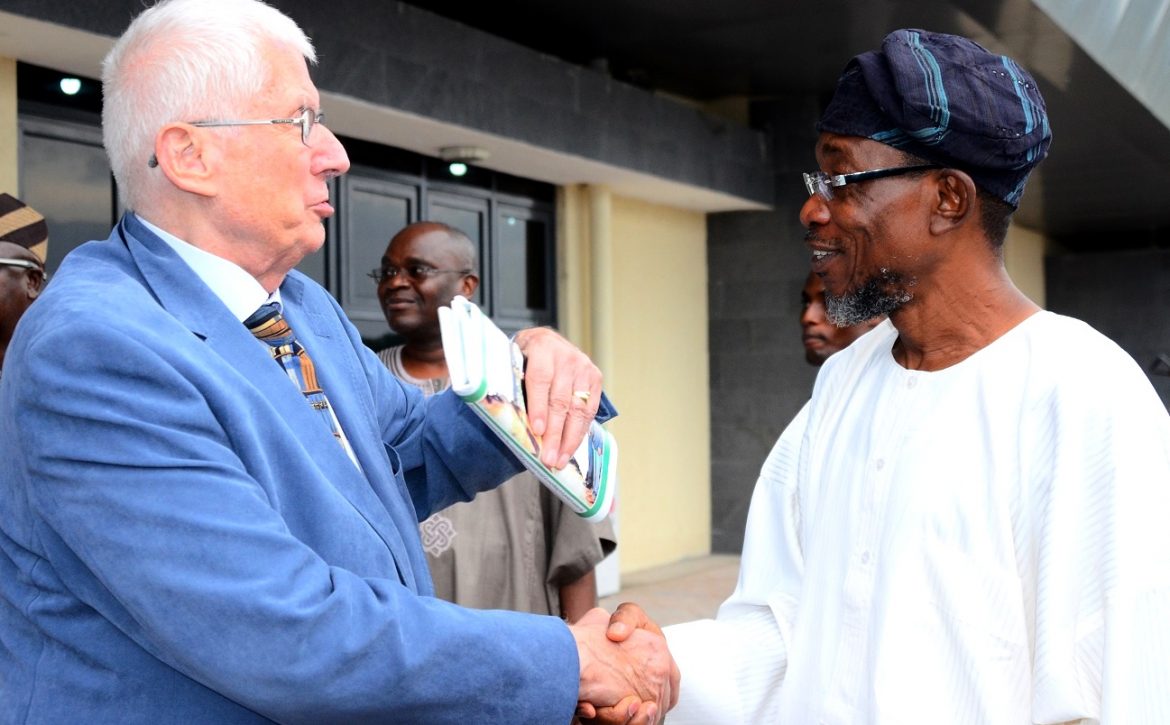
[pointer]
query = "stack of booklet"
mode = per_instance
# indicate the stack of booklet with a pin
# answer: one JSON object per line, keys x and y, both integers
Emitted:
{"x": 487, "y": 372}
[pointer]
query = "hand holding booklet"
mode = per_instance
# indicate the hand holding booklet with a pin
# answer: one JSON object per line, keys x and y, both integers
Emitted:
{"x": 487, "y": 372}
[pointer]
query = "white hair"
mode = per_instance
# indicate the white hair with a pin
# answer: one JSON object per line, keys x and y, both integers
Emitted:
{"x": 184, "y": 60}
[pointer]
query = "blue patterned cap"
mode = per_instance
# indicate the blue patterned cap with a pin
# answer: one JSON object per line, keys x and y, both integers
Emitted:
{"x": 948, "y": 100}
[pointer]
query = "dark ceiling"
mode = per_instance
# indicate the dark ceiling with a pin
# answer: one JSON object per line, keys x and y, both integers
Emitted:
{"x": 1102, "y": 185}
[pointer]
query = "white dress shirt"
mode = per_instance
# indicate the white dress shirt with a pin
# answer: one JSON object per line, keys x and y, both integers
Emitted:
{"x": 234, "y": 286}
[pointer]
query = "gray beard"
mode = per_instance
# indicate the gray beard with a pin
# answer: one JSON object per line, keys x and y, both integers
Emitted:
{"x": 877, "y": 296}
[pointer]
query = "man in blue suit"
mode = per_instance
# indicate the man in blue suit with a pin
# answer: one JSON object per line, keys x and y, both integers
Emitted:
{"x": 198, "y": 527}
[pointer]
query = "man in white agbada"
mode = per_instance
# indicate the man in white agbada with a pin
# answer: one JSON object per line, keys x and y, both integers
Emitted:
{"x": 970, "y": 520}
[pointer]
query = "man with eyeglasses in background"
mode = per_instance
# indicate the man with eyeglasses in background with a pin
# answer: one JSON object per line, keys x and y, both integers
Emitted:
{"x": 517, "y": 546}
{"x": 969, "y": 526}
{"x": 24, "y": 238}
{"x": 211, "y": 489}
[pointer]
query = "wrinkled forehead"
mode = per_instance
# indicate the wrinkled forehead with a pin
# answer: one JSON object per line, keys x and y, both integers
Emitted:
{"x": 836, "y": 152}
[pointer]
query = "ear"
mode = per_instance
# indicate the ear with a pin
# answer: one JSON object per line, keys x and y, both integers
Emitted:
{"x": 34, "y": 283}
{"x": 187, "y": 158}
{"x": 469, "y": 285}
{"x": 955, "y": 201}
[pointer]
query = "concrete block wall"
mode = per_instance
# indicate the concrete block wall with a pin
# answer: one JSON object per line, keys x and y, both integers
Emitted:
{"x": 756, "y": 265}
{"x": 1125, "y": 295}
{"x": 395, "y": 55}
{"x": 759, "y": 378}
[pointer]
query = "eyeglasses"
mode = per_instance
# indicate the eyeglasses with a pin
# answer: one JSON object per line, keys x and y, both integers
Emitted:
{"x": 818, "y": 182}
{"x": 414, "y": 272}
{"x": 306, "y": 118}
{"x": 23, "y": 263}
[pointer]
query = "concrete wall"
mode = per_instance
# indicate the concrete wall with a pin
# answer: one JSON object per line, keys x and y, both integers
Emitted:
{"x": 1124, "y": 295}
{"x": 396, "y": 56}
{"x": 759, "y": 378}
{"x": 757, "y": 263}
{"x": 1023, "y": 256}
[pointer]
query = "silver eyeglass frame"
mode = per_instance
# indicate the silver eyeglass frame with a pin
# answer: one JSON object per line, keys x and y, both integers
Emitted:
{"x": 306, "y": 118}
{"x": 822, "y": 184}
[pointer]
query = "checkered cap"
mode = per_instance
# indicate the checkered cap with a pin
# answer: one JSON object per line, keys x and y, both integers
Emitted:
{"x": 948, "y": 100}
{"x": 23, "y": 225}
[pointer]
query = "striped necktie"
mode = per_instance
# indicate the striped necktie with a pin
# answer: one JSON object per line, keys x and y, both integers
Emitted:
{"x": 268, "y": 325}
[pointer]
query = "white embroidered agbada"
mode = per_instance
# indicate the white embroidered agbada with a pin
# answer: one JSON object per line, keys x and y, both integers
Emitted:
{"x": 985, "y": 544}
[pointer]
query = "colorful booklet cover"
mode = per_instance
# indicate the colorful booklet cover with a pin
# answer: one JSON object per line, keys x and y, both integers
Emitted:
{"x": 487, "y": 372}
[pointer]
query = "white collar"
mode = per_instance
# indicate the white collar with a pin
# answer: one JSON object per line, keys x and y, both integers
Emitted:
{"x": 237, "y": 289}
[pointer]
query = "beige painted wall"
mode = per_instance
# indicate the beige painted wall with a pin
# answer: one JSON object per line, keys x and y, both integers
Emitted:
{"x": 9, "y": 167}
{"x": 661, "y": 360}
{"x": 651, "y": 340}
{"x": 1023, "y": 255}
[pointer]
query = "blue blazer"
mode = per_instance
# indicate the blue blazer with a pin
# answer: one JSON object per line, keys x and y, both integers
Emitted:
{"x": 182, "y": 540}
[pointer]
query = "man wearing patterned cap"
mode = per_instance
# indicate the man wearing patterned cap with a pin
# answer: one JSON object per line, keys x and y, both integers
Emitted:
{"x": 971, "y": 525}
{"x": 23, "y": 239}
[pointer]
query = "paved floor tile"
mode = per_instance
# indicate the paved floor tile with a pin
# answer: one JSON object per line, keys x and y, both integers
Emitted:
{"x": 679, "y": 592}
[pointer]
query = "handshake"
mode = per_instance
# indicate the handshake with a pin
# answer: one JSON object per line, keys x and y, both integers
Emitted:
{"x": 628, "y": 676}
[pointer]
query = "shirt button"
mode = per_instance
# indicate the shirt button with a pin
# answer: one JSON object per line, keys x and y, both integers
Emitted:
{"x": 880, "y": 464}
{"x": 865, "y": 557}
{"x": 911, "y": 383}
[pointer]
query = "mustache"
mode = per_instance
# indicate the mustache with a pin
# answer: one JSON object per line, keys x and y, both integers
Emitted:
{"x": 811, "y": 237}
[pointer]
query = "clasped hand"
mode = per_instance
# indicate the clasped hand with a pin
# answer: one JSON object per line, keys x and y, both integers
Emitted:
{"x": 627, "y": 674}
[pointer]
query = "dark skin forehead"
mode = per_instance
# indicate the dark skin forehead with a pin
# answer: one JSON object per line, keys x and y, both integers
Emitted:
{"x": 813, "y": 286}
{"x": 431, "y": 244}
{"x": 845, "y": 154}
{"x": 10, "y": 250}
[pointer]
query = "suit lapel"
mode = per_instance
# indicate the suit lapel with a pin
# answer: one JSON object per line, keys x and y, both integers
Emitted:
{"x": 183, "y": 295}
{"x": 340, "y": 371}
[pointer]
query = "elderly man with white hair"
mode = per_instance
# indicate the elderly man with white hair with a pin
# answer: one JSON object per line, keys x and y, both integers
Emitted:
{"x": 211, "y": 489}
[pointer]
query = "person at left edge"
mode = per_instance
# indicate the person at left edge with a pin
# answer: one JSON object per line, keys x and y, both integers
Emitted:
{"x": 24, "y": 240}
{"x": 182, "y": 538}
